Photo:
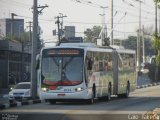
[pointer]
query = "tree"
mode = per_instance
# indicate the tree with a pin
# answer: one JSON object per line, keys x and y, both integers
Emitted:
{"x": 131, "y": 43}
{"x": 92, "y": 34}
{"x": 156, "y": 1}
{"x": 25, "y": 37}
{"x": 156, "y": 44}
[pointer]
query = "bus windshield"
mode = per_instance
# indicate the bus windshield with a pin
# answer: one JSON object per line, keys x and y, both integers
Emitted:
{"x": 61, "y": 70}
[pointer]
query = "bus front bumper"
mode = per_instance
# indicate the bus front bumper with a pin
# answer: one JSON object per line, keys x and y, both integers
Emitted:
{"x": 82, "y": 95}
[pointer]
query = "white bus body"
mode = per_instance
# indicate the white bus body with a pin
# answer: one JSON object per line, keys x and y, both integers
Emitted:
{"x": 78, "y": 72}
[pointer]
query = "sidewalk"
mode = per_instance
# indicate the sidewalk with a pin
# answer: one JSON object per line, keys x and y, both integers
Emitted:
{"x": 4, "y": 99}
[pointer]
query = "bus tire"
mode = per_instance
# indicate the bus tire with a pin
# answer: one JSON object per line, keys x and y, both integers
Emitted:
{"x": 126, "y": 95}
{"x": 91, "y": 100}
{"x": 109, "y": 93}
{"x": 52, "y": 101}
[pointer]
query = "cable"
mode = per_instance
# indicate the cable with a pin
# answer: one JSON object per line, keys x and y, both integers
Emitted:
{"x": 16, "y": 4}
{"x": 74, "y": 22}
{"x": 89, "y": 3}
{"x": 133, "y": 6}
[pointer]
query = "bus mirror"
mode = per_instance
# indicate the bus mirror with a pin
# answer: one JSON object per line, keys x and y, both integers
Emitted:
{"x": 37, "y": 61}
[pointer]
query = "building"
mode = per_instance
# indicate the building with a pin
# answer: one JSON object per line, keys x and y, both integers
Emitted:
{"x": 11, "y": 27}
{"x": 69, "y": 31}
{"x": 15, "y": 60}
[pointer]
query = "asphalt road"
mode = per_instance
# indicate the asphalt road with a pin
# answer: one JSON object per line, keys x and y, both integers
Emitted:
{"x": 135, "y": 107}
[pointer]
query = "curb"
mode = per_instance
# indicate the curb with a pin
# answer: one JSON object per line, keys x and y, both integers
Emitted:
{"x": 149, "y": 85}
{"x": 17, "y": 104}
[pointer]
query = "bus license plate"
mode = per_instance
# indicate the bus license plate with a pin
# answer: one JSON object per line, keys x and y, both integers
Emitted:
{"x": 62, "y": 94}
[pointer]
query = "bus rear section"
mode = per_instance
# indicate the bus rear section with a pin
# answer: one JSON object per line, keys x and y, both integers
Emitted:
{"x": 62, "y": 75}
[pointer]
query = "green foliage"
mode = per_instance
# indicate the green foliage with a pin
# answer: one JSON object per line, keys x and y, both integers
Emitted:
{"x": 92, "y": 34}
{"x": 156, "y": 44}
{"x": 23, "y": 38}
{"x": 131, "y": 43}
{"x": 158, "y": 59}
{"x": 156, "y": 1}
{"x": 156, "y": 41}
{"x": 13, "y": 37}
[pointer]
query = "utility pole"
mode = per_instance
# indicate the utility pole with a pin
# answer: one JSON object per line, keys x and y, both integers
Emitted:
{"x": 35, "y": 38}
{"x": 156, "y": 18}
{"x": 112, "y": 42}
{"x": 159, "y": 17}
{"x": 139, "y": 37}
{"x": 138, "y": 51}
{"x": 157, "y": 68}
{"x": 34, "y": 51}
{"x": 143, "y": 43}
{"x": 30, "y": 31}
{"x": 61, "y": 23}
{"x": 58, "y": 25}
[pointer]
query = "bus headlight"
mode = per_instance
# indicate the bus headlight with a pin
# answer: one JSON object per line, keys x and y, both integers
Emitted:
{"x": 44, "y": 89}
{"x": 78, "y": 89}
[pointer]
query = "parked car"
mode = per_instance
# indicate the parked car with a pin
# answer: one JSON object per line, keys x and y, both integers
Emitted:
{"x": 20, "y": 92}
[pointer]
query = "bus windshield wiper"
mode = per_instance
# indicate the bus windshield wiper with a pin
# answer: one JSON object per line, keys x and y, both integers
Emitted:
{"x": 66, "y": 64}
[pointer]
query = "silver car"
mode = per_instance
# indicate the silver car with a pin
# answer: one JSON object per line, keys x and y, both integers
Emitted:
{"x": 21, "y": 91}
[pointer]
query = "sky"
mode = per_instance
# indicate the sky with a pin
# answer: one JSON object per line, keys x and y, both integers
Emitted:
{"x": 84, "y": 14}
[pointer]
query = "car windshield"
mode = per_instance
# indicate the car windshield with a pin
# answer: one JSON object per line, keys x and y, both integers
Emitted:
{"x": 22, "y": 86}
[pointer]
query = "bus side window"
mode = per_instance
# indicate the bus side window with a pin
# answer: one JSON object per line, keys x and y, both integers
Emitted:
{"x": 90, "y": 63}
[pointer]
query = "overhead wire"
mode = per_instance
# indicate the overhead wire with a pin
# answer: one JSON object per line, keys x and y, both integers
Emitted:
{"x": 19, "y": 4}
{"x": 93, "y": 5}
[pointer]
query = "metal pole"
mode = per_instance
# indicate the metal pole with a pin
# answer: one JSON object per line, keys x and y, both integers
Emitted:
{"x": 144, "y": 57}
{"x": 59, "y": 36}
{"x": 159, "y": 18}
{"x": 34, "y": 51}
{"x": 157, "y": 52}
{"x": 112, "y": 42}
{"x": 137, "y": 50}
{"x": 30, "y": 32}
{"x": 139, "y": 38}
{"x": 58, "y": 22}
{"x": 156, "y": 18}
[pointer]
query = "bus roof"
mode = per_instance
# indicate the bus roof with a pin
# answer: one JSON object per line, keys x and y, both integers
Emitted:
{"x": 91, "y": 47}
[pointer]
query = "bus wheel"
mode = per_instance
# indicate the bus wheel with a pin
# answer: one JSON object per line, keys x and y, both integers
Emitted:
{"x": 126, "y": 95}
{"x": 91, "y": 100}
{"x": 52, "y": 101}
{"x": 109, "y": 93}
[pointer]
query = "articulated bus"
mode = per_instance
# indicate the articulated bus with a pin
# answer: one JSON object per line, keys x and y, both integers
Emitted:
{"x": 72, "y": 71}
